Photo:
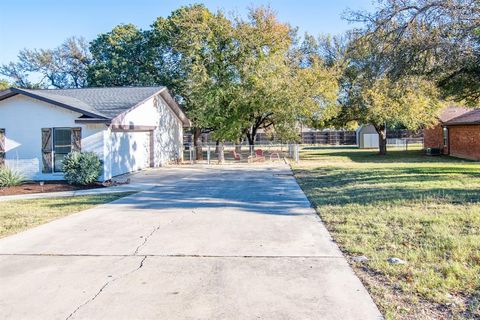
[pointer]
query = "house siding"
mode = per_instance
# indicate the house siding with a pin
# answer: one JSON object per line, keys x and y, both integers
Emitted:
{"x": 464, "y": 141}
{"x": 168, "y": 136}
{"x": 23, "y": 118}
{"x": 433, "y": 138}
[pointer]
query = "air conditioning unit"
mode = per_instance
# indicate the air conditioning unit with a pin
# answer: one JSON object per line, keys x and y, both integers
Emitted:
{"x": 433, "y": 151}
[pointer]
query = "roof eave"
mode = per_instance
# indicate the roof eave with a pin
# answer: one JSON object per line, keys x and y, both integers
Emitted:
{"x": 469, "y": 123}
{"x": 93, "y": 120}
{"x": 179, "y": 112}
{"x": 7, "y": 94}
{"x": 176, "y": 108}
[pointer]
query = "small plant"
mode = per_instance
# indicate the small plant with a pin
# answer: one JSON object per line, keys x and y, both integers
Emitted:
{"x": 10, "y": 178}
{"x": 82, "y": 168}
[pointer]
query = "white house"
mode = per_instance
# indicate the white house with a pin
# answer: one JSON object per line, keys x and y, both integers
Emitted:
{"x": 130, "y": 128}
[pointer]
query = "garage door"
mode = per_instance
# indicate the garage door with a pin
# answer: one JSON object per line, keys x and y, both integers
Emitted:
{"x": 370, "y": 140}
{"x": 130, "y": 152}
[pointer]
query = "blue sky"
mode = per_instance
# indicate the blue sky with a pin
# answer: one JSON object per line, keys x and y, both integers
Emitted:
{"x": 46, "y": 23}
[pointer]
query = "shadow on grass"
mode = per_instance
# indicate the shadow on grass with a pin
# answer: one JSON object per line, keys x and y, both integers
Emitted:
{"x": 365, "y": 156}
{"x": 333, "y": 186}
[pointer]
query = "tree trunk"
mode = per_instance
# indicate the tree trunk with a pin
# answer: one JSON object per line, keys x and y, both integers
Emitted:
{"x": 217, "y": 144}
{"x": 221, "y": 155}
{"x": 382, "y": 139}
{"x": 197, "y": 142}
{"x": 238, "y": 146}
{"x": 251, "y": 135}
{"x": 251, "y": 141}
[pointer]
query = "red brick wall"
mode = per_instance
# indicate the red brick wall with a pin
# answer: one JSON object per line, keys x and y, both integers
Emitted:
{"x": 433, "y": 137}
{"x": 465, "y": 141}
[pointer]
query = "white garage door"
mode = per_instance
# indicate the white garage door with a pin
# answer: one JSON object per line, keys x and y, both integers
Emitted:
{"x": 370, "y": 140}
{"x": 130, "y": 152}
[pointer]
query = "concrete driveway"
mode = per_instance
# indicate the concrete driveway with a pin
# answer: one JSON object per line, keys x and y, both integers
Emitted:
{"x": 227, "y": 242}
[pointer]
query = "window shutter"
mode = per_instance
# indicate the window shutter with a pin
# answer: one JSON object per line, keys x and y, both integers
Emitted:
{"x": 47, "y": 157}
{"x": 76, "y": 139}
{"x": 2, "y": 147}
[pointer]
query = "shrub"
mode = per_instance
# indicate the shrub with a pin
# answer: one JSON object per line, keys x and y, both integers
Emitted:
{"x": 82, "y": 168}
{"x": 10, "y": 178}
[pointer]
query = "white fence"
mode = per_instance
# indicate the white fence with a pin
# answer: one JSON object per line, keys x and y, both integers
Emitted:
{"x": 268, "y": 152}
{"x": 405, "y": 143}
{"x": 242, "y": 153}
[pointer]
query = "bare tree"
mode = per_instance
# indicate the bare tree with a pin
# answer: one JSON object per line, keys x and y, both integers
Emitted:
{"x": 62, "y": 67}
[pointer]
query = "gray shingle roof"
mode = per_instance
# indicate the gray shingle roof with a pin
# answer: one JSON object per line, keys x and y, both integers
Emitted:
{"x": 451, "y": 112}
{"x": 104, "y": 102}
{"x": 100, "y": 105}
{"x": 470, "y": 117}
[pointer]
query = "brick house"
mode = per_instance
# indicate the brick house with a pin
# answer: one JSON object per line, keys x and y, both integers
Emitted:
{"x": 457, "y": 133}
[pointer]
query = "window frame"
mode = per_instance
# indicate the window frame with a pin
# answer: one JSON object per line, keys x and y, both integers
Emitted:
{"x": 445, "y": 137}
{"x": 54, "y": 151}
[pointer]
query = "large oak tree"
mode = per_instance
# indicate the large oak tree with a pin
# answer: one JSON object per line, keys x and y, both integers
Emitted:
{"x": 436, "y": 39}
{"x": 369, "y": 94}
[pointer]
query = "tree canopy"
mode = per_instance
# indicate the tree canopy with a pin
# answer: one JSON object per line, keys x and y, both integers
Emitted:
{"x": 436, "y": 39}
{"x": 233, "y": 75}
{"x": 120, "y": 57}
{"x": 4, "y": 85}
{"x": 374, "y": 89}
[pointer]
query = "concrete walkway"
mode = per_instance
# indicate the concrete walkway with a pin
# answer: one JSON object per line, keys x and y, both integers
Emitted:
{"x": 141, "y": 180}
{"x": 219, "y": 243}
{"x": 76, "y": 193}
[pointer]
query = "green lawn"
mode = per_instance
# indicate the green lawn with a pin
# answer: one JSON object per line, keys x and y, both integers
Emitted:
{"x": 17, "y": 216}
{"x": 424, "y": 210}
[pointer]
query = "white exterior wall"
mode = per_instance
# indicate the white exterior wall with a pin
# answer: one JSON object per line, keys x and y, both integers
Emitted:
{"x": 168, "y": 136}
{"x": 129, "y": 151}
{"x": 24, "y": 117}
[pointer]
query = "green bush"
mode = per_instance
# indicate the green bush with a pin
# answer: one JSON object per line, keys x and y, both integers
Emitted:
{"x": 82, "y": 168}
{"x": 10, "y": 178}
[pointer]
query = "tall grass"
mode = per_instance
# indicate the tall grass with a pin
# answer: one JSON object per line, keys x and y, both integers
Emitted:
{"x": 10, "y": 178}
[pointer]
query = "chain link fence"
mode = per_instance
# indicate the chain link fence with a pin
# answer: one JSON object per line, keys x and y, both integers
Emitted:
{"x": 405, "y": 143}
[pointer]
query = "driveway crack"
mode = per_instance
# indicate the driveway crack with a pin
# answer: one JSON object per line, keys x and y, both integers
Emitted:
{"x": 145, "y": 239}
{"x": 106, "y": 285}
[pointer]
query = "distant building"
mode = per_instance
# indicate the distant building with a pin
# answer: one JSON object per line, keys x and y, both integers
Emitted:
{"x": 457, "y": 133}
{"x": 367, "y": 137}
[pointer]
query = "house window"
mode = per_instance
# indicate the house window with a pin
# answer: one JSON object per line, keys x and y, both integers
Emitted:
{"x": 445, "y": 137}
{"x": 62, "y": 145}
